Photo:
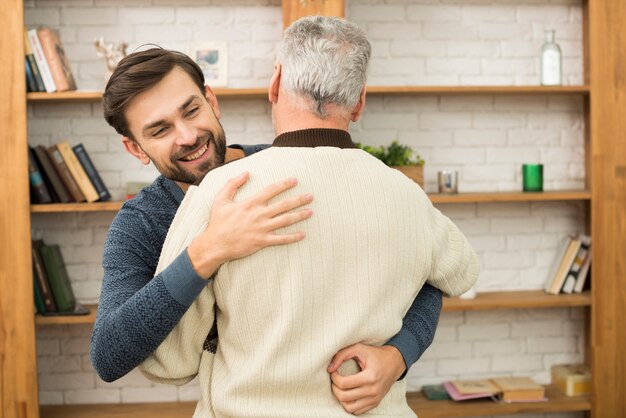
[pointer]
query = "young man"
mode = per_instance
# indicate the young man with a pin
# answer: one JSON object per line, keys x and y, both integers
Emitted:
{"x": 374, "y": 240}
{"x": 178, "y": 130}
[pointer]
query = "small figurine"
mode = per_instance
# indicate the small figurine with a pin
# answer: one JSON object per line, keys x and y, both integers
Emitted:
{"x": 113, "y": 53}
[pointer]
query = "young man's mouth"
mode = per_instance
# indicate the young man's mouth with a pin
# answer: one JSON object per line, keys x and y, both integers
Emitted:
{"x": 198, "y": 154}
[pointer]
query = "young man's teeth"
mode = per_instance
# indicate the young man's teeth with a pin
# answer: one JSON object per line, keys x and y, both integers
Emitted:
{"x": 197, "y": 154}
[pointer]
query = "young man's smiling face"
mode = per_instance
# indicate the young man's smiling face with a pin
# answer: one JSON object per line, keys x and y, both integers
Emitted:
{"x": 176, "y": 126}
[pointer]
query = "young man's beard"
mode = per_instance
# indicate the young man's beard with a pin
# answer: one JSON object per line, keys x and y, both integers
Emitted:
{"x": 177, "y": 173}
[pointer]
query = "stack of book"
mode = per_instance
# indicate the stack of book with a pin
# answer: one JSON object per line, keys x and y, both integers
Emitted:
{"x": 64, "y": 174}
{"x": 504, "y": 389}
{"x": 53, "y": 290}
{"x": 47, "y": 66}
{"x": 572, "y": 266}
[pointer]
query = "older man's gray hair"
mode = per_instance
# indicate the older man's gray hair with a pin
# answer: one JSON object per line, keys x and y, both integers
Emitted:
{"x": 324, "y": 60}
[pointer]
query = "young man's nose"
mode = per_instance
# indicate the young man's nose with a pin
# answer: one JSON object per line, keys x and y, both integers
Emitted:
{"x": 187, "y": 135}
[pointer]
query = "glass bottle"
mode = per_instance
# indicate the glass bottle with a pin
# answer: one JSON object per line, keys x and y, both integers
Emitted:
{"x": 550, "y": 61}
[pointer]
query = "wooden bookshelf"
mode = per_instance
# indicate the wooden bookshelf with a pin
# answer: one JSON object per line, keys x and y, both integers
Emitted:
{"x": 435, "y": 198}
{"x": 90, "y": 318}
{"x": 516, "y": 299}
{"x": 423, "y": 408}
{"x": 261, "y": 92}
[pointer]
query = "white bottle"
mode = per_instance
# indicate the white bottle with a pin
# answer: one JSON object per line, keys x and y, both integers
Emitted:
{"x": 550, "y": 61}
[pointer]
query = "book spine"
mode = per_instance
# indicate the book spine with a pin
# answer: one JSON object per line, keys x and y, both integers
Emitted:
{"x": 46, "y": 76}
{"x": 92, "y": 173}
{"x": 57, "y": 275}
{"x": 28, "y": 52}
{"x": 41, "y": 155}
{"x": 30, "y": 81}
{"x": 42, "y": 278}
{"x": 77, "y": 172}
{"x": 40, "y": 193}
{"x": 64, "y": 173}
{"x": 48, "y": 41}
{"x": 39, "y": 306}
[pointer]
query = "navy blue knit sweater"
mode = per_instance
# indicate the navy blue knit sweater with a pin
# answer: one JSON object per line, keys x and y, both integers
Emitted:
{"x": 138, "y": 309}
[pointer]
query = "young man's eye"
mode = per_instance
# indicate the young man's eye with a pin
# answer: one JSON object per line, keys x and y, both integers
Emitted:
{"x": 192, "y": 112}
{"x": 159, "y": 131}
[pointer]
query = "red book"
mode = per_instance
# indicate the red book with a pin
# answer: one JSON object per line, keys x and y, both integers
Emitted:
{"x": 56, "y": 58}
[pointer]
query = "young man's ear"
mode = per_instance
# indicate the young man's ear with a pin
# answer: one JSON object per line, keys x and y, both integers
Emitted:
{"x": 358, "y": 109}
{"x": 134, "y": 148}
{"x": 212, "y": 99}
{"x": 275, "y": 84}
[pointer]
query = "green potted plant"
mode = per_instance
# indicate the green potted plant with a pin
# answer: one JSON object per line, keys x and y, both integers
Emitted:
{"x": 400, "y": 157}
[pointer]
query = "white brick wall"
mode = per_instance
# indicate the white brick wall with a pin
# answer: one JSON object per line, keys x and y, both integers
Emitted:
{"x": 415, "y": 42}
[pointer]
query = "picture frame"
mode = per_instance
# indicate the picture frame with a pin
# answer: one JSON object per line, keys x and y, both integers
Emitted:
{"x": 212, "y": 57}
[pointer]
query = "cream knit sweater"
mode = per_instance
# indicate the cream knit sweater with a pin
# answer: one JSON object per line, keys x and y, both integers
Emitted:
{"x": 282, "y": 313}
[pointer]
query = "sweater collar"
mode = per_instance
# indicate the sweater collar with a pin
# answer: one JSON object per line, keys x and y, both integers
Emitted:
{"x": 174, "y": 189}
{"x": 317, "y": 137}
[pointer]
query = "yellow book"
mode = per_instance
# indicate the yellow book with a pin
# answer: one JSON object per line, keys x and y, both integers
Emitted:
{"x": 572, "y": 379}
{"x": 472, "y": 387}
{"x": 77, "y": 171}
{"x": 519, "y": 389}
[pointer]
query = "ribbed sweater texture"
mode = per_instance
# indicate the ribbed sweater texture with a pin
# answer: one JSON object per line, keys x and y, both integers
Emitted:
{"x": 282, "y": 313}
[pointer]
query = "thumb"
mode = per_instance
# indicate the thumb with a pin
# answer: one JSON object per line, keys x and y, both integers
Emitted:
{"x": 345, "y": 354}
{"x": 229, "y": 191}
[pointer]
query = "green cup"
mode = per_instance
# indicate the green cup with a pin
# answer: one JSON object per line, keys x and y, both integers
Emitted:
{"x": 532, "y": 175}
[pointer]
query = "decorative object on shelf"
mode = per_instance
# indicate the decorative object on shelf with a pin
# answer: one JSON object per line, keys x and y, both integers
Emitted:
{"x": 212, "y": 57}
{"x": 399, "y": 157}
{"x": 448, "y": 181}
{"x": 572, "y": 379}
{"x": 532, "y": 177}
{"x": 112, "y": 53}
{"x": 551, "y": 61}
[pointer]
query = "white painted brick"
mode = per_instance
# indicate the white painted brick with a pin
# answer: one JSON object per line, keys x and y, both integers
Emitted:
{"x": 258, "y": 14}
{"x": 89, "y": 16}
{"x": 433, "y": 13}
{"x": 445, "y": 333}
{"x": 377, "y": 14}
{"x": 456, "y": 66}
{"x": 400, "y": 48}
{"x": 487, "y": 242}
{"x": 80, "y": 330}
{"x": 517, "y": 155}
{"x": 75, "y": 345}
{"x": 504, "y": 30}
{"x": 534, "y": 241}
{"x": 387, "y": 121}
{"x": 555, "y": 120}
{"x": 155, "y": 394}
{"x": 473, "y": 226}
{"x": 398, "y": 32}
{"x": 489, "y": 317}
{"x": 473, "y": 103}
{"x": 507, "y": 66}
{"x": 478, "y": 48}
{"x": 451, "y": 318}
{"x": 516, "y": 225}
{"x": 447, "y": 350}
{"x": 58, "y": 364}
{"x": 533, "y": 137}
{"x": 87, "y": 291}
{"x": 456, "y": 212}
{"x": 57, "y": 126}
{"x": 266, "y": 32}
{"x": 480, "y": 137}
{"x": 487, "y": 173}
{"x": 561, "y": 224}
{"x": 90, "y": 396}
{"x": 448, "y": 120}
{"x": 67, "y": 35}
{"x": 535, "y": 278}
{"x": 498, "y": 120}
{"x": 110, "y": 34}
{"x": 552, "y": 345}
{"x": 158, "y": 34}
{"x": 500, "y": 347}
{"x": 562, "y": 358}
{"x": 87, "y": 366}
{"x": 204, "y": 15}
{"x": 450, "y": 31}
{"x": 564, "y": 31}
{"x": 397, "y": 66}
{"x": 551, "y": 14}
{"x": 536, "y": 329}
{"x": 510, "y": 260}
{"x": 469, "y": 365}
{"x": 477, "y": 332}
{"x": 458, "y": 155}
{"x": 63, "y": 381}
{"x": 495, "y": 280}
{"x": 50, "y": 397}
{"x": 146, "y": 15}
{"x": 41, "y": 16}
{"x": 511, "y": 103}
{"x": 486, "y": 80}
{"x": 51, "y": 331}
{"x": 503, "y": 210}
{"x": 519, "y": 49}
{"x": 89, "y": 254}
{"x": 404, "y": 104}
{"x": 518, "y": 363}
{"x": 47, "y": 347}
{"x": 488, "y": 13}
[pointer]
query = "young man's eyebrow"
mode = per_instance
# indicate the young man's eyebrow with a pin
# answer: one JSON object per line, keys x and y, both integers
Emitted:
{"x": 162, "y": 121}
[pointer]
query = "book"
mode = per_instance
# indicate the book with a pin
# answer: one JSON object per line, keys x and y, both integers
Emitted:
{"x": 557, "y": 278}
{"x": 40, "y": 59}
{"x": 30, "y": 81}
{"x": 581, "y": 278}
{"x": 39, "y": 307}
{"x": 64, "y": 173}
{"x": 58, "y": 278}
{"x": 572, "y": 379}
{"x": 30, "y": 57}
{"x": 92, "y": 173}
{"x": 435, "y": 392}
{"x": 41, "y": 277}
{"x": 456, "y": 395}
{"x": 51, "y": 176}
{"x": 38, "y": 191}
{"x": 581, "y": 256}
{"x": 516, "y": 389}
{"x": 57, "y": 60}
{"x": 77, "y": 171}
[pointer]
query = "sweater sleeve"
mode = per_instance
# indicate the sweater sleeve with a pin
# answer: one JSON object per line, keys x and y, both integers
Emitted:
{"x": 418, "y": 326}
{"x": 137, "y": 310}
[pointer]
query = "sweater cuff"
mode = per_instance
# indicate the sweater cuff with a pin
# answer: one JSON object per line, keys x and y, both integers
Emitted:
{"x": 182, "y": 281}
{"x": 405, "y": 343}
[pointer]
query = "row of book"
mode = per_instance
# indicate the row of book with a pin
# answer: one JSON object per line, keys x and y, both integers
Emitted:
{"x": 64, "y": 174}
{"x": 571, "y": 269}
{"x": 53, "y": 290}
{"x": 47, "y": 66}
{"x": 505, "y": 389}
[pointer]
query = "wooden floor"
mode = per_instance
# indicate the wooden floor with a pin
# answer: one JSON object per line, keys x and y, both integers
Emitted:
{"x": 424, "y": 408}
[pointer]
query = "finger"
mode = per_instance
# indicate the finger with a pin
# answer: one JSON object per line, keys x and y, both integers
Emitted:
{"x": 284, "y": 239}
{"x": 273, "y": 190}
{"x": 343, "y": 355}
{"x": 288, "y": 204}
{"x": 232, "y": 186}
{"x": 289, "y": 219}
{"x": 352, "y": 381}
{"x": 353, "y": 407}
{"x": 368, "y": 407}
{"x": 352, "y": 395}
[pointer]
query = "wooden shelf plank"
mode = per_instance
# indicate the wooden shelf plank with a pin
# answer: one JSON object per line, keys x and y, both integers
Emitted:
{"x": 261, "y": 92}
{"x": 515, "y": 300}
{"x": 90, "y": 318}
{"x": 422, "y": 407}
{"x": 436, "y": 198}
{"x": 483, "y": 301}
{"x": 450, "y": 409}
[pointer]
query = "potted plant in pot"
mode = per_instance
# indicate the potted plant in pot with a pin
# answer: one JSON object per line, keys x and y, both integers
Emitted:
{"x": 400, "y": 157}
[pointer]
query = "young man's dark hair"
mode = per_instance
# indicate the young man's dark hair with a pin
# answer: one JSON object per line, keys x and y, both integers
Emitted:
{"x": 137, "y": 73}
